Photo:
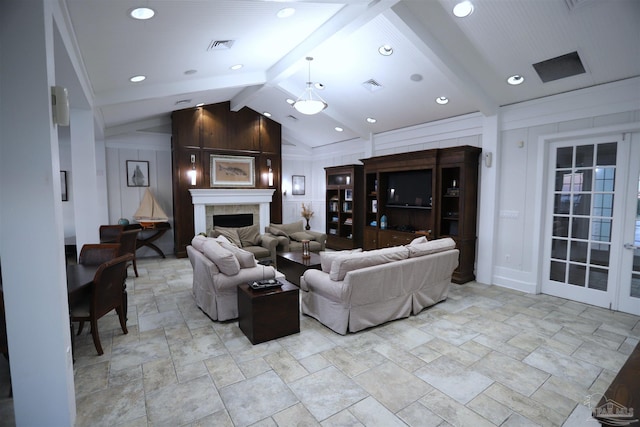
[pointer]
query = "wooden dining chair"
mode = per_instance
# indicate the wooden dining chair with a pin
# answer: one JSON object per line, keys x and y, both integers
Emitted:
{"x": 98, "y": 253}
{"x": 128, "y": 240}
{"x": 105, "y": 296}
{"x": 110, "y": 233}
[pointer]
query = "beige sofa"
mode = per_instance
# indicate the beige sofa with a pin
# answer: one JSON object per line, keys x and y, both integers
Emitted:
{"x": 218, "y": 268}
{"x": 263, "y": 247}
{"x": 354, "y": 291}
{"x": 290, "y": 237}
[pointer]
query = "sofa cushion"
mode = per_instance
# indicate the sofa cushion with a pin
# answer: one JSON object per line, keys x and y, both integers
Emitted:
{"x": 249, "y": 235}
{"x": 346, "y": 263}
{"x": 245, "y": 258}
{"x": 431, "y": 247}
{"x": 287, "y": 229}
{"x": 229, "y": 233}
{"x": 198, "y": 242}
{"x": 327, "y": 257}
{"x": 224, "y": 259}
{"x": 299, "y": 236}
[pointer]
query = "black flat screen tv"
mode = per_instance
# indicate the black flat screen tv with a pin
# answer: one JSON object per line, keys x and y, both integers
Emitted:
{"x": 409, "y": 189}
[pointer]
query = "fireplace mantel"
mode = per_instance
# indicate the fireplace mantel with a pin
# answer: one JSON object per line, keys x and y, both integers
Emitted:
{"x": 202, "y": 198}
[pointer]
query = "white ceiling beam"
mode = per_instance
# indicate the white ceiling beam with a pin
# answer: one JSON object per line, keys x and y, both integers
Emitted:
{"x": 428, "y": 26}
{"x": 346, "y": 21}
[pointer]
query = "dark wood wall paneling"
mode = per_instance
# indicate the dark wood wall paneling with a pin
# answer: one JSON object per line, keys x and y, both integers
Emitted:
{"x": 215, "y": 129}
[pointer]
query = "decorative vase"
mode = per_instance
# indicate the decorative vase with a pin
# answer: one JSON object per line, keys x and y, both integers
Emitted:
{"x": 306, "y": 253}
{"x": 307, "y": 227}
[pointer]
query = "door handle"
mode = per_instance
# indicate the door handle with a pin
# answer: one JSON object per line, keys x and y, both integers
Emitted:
{"x": 631, "y": 246}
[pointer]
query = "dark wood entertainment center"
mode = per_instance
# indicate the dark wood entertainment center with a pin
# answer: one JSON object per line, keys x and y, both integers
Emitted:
{"x": 451, "y": 212}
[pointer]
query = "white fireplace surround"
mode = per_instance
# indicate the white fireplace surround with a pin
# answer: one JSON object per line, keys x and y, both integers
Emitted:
{"x": 202, "y": 198}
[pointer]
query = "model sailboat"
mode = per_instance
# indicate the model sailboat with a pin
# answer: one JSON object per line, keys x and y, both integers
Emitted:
{"x": 149, "y": 212}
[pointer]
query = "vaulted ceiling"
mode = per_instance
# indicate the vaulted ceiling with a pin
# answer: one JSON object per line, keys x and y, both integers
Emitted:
{"x": 186, "y": 51}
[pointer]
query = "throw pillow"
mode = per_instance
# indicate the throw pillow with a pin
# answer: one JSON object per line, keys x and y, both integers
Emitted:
{"x": 327, "y": 257}
{"x": 299, "y": 236}
{"x": 198, "y": 242}
{"x": 245, "y": 258}
{"x": 277, "y": 232}
{"x": 431, "y": 247}
{"x": 229, "y": 233}
{"x": 346, "y": 263}
{"x": 249, "y": 235}
{"x": 224, "y": 259}
{"x": 419, "y": 240}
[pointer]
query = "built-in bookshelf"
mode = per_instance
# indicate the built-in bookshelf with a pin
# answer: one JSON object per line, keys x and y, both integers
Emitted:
{"x": 343, "y": 206}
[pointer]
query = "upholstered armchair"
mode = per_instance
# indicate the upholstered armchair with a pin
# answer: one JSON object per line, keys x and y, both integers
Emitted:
{"x": 262, "y": 246}
{"x": 290, "y": 237}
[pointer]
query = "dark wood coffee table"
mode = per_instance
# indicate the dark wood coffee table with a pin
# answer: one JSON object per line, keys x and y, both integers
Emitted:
{"x": 292, "y": 265}
{"x": 268, "y": 314}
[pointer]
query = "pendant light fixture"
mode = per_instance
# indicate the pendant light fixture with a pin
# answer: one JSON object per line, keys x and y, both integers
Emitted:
{"x": 309, "y": 102}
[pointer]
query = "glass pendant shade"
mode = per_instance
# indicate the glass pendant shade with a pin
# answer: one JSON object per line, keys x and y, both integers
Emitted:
{"x": 309, "y": 102}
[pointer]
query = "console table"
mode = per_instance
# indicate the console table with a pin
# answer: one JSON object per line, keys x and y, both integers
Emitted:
{"x": 148, "y": 235}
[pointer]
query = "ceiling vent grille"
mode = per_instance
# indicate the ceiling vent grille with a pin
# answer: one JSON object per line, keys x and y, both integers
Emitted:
{"x": 220, "y": 44}
{"x": 294, "y": 118}
{"x": 372, "y": 86}
{"x": 559, "y": 67}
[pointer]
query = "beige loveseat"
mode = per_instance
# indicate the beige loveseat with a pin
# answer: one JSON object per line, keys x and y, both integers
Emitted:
{"x": 290, "y": 237}
{"x": 263, "y": 247}
{"x": 218, "y": 268}
{"x": 354, "y": 291}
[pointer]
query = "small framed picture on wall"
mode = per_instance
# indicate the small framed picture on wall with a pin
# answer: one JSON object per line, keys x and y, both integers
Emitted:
{"x": 137, "y": 173}
{"x": 297, "y": 185}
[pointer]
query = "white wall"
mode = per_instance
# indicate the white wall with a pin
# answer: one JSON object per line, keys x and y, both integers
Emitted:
{"x": 123, "y": 201}
{"x": 517, "y": 160}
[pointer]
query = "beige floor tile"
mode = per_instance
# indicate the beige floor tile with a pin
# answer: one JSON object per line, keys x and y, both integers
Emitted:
{"x": 490, "y": 409}
{"x": 454, "y": 379}
{"x": 523, "y": 378}
{"x": 452, "y": 411}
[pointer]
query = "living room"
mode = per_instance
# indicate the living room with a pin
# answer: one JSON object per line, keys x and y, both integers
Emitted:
{"x": 513, "y": 205}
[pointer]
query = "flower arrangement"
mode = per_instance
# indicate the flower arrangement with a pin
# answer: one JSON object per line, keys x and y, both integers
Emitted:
{"x": 307, "y": 213}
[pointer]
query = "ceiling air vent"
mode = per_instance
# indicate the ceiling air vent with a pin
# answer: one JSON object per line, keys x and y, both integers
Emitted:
{"x": 559, "y": 67}
{"x": 294, "y": 118}
{"x": 371, "y": 85}
{"x": 220, "y": 44}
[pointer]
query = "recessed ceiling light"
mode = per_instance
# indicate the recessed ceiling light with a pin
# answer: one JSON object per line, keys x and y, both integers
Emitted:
{"x": 338, "y": 129}
{"x": 416, "y": 77}
{"x": 385, "y": 50}
{"x": 442, "y": 100}
{"x": 183, "y": 102}
{"x": 515, "y": 80}
{"x": 137, "y": 79}
{"x": 290, "y": 101}
{"x": 236, "y": 67}
{"x": 371, "y": 120}
{"x": 463, "y": 9}
{"x": 286, "y": 12}
{"x": 199, "y": 104}
{"x": 266, "y": 114}
{"x": 142, "y": 13}
{"x": 189, "y": 72}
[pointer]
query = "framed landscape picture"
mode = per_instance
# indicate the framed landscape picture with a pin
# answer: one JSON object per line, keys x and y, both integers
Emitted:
{"x": 137, "y": 173}
{"x": 232, "y": 171}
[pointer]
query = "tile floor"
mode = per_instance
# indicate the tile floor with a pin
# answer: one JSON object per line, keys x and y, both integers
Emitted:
{"x": 486, "y": 356}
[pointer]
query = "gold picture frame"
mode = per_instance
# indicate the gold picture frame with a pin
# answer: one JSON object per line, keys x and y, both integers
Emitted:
{"x": 232, "y": 171}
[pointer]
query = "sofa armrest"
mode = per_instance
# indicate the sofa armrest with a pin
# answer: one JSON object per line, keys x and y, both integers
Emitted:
{"x": 318, "y": 237}
{"x": 270, "y": 242}
{"x": 283, "y": 242}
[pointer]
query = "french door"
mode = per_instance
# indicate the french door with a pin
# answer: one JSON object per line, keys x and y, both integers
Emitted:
{"x": 591, "y": 234}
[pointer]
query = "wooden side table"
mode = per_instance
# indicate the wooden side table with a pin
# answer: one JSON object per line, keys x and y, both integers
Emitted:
{"x": 265, "y": 315}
